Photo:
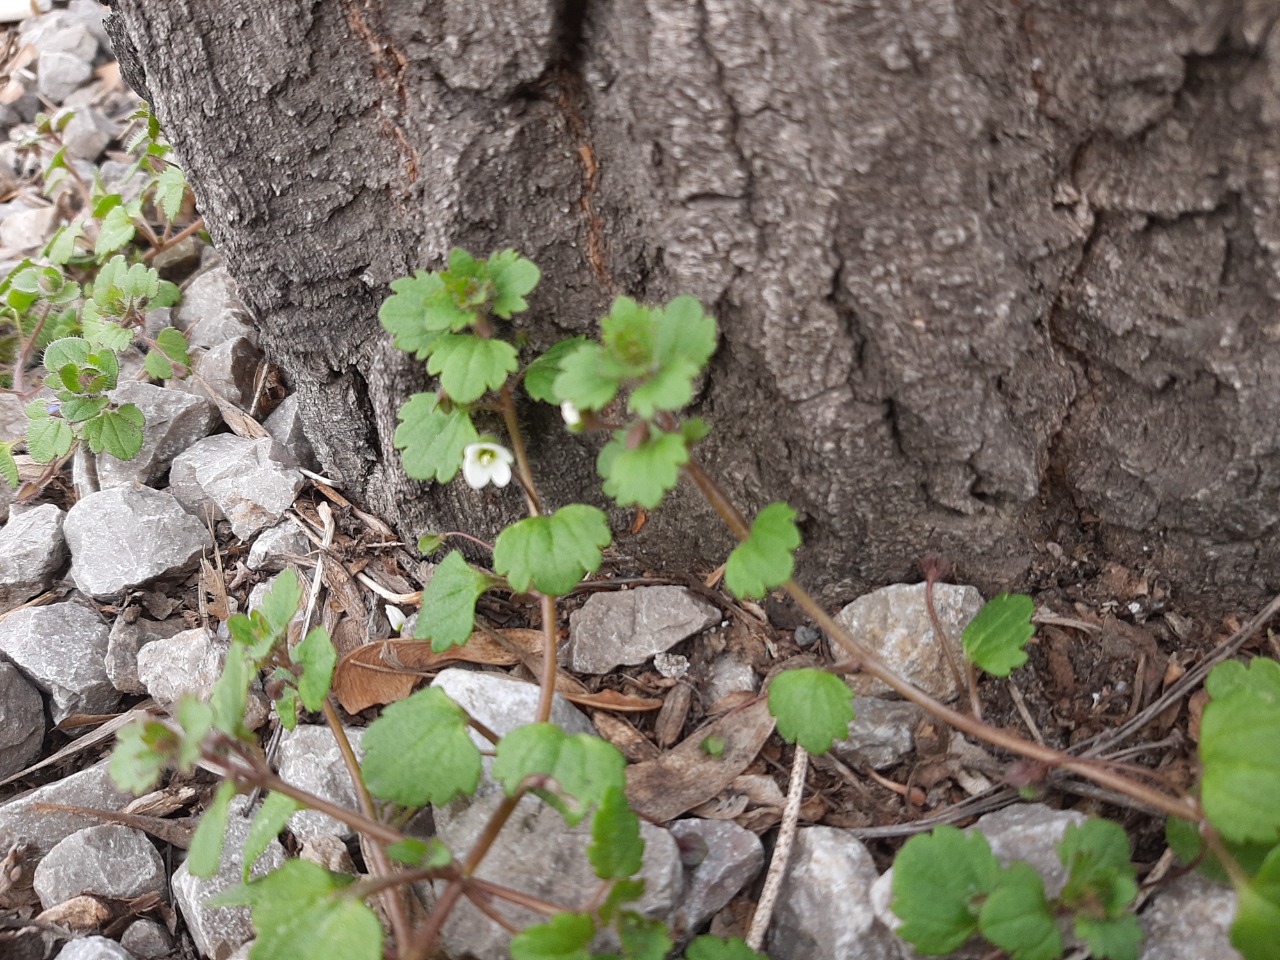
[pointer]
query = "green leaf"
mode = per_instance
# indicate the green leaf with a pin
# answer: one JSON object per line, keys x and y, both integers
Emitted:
{"x": 317, "y": 657}
{"x": 1256, "y": 930}
{"x": 995, "y": 638}
{"x": 581, "y": 768}
{"x": 587, "y": 378}
{"x": 685, "y": 340}
{"x": 67, "y": 350}
{"x": 616, "y": 850}
{"x": 117, "y": 432}
{"x": 105, "y": 333}
{"x": 280, "y": 604}
{"x": 195, "y": 718}
{"x": 170, "y": 188}
{"x": 540, "y": 375}
{"x": 1096, "y": 855}
{"x": 1115, "y": 938}
{"x": 1016, "y": 917}
{"x": 449, "y": 603}
{"x": 303, "y": 910}
{"x": 419, "y": 751}
{"x": 230, "y": 692}
{"x": 429, "y": 543}
{"x": 642, "y": 474}
{"x": 143, "y": 750}
{"x": 272, "y": 816}
{"x": 63, "y": 245}
{"x": 8, "y": 465}
{"x": 713, "y": 948}
{"x": 1240, "y": 787}
{"x": 158, "y": 366}
{"x": 174, "y": 344}
{"x": 80, "y": 409}
{"x": 419, "y": 853}
{"x": 206, "y": 844}
{"x": 939, "y": 880}
{"x": 433, "y": 438}
{"x": 764, "y": 560}
{"x": 404, "y": 313}
{"x": 116, "y": 230}
{"x": 469, "y": 366}
{"x": 566, "y": 936}
{"x": 48, "y": 439}
{"x": 642, "y": 938}
{"x": 813, "y": 707}
{"x": 629, "y": 335}
{"x": 552, "y": 553}
{"x": 512, "y": 277}
{"x": 1183, "y": 837}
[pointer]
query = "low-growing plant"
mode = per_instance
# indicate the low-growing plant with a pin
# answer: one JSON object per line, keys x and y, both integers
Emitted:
{"x": 632, "y": 383}
{"x": 84, "y": 299}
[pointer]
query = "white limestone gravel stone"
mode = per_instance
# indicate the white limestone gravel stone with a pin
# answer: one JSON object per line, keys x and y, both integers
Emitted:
{"x": 191, "y": 662}
{"x": 22, "y": 723}
{"x": 894, "y": 622}
{"x": 310, "y": 759}
{"x": 21, "y": 821}
{"x": 124, "y": 642}
{"x": 228, "y": 369}
{"x": 1190, "y": 919}
{"x": 60, "y": 74}
{"x": 87, "y": 134}
{"x": 219, "y": 931}
{"x": 241, "y": 480}
{"x": 174, "y": 421}
{"x": 109, "y": 860}
{"x": 720, "y": 858}
{"x": 630, "y": 626}
{"x": 61, "y": 648}
{"x": 285, "y": 425}
{"x": 211, "y": 311}
{"x": 275, "y": 544}
{"x": 26, "y": 230}
{"x": 823, "y": 910}
{"x": 881, "y": 733}
{"x": 32, "y": 551}
{"x": 147, "y": 940}
{"x": 503, "y": 703}
{"x": 729, "y": 675}
{"x": 94, "y": 948}
{"x": 126, "y": 536}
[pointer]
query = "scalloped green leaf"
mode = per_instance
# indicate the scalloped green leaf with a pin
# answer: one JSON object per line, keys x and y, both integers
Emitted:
{"x": 764, "y": 560}
{"x": 1016, "y": 917}
{"x": 271, "y": 818}
{"x": 512, "y": 276}
{"x": 642, "y": 474}
{"x": 995, "y": 639}
{"x": 117, "y": 432}
{"x": 1240, "y": 786}
{"x": 939, "y": 882}
{"x": 48, "y": 439}
{"x": 449, "y": 603}
{"x": 317, "y": 657}
{"x": 419, "y": 751}
{"x": 616, "y": 850}
{"x": 432, "y": 438}
{"x": 469, "y": 366}
{"x": 552, "y": 553}
{"x": 581, "y": 769}
{"x": 813, "y": 708}
{"x": 566, "y": 936}
{"x": 540, "y": 376}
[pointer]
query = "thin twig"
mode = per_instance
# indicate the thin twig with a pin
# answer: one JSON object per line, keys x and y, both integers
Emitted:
{"x": 781, "y": 850}
{"x": 1021, "y": 705}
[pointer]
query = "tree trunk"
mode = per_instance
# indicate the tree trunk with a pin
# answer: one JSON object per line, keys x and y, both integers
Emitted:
{"x": 992, "y": 278}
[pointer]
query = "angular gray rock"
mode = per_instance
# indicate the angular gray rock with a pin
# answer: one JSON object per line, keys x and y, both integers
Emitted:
{"x": 43, "y": 829}
{"x": 88, "y": 133}
{"x": 123, "y": 537}
{"x": 32, "y": 551}
{"x": 94, "y": 948}
{"x": 108, "y": 860}
{"x": 275, "y": 544}
{"x": 536, "y": 852}
{"x": 823, "y": 910}
{"x": 147, "y": 940}
{"x": 211, "y": 311}
{"x": 719, "y": 858}
{"x": 729, "y": 675}
{"x": 285, "y": 427}
{"x": 60, "y": 648}
{"x": 26, "y": 230}
{"x": 174, "y": 421}
{"x": 309, "y": 758}
{"x": 894, "y": 622}
{"x": 191, "y": 662}
{"x": 630, "y": 626}
{"x": 242, "y": 481}
{"x": 218, "y": 931}
{"x": 881, "y": 733}
{"x": 228, "y": 369}
{"x": 124, "y": 642}
{"x": 60, "y": 74}
{"x": 22, "y": 723}
{"x": 1190, "y": 919}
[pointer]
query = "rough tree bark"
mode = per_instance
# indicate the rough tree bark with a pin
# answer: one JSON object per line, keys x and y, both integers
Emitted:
{"x": 990, "y": 274}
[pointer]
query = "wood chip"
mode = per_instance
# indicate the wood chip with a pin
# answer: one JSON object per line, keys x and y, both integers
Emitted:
{"x": 669, "y": 723}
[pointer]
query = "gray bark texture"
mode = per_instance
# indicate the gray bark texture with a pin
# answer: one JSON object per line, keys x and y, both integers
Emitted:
{"x": 990, "y": 275}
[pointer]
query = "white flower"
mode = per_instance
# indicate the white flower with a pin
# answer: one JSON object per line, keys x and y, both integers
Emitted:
{"x": 570, "y": 413}
{"x": 484, "y": 463}
{"x": 397, "y": 619}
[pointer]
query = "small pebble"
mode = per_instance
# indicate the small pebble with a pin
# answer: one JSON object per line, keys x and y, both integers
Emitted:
{"x": 807, "y": 636}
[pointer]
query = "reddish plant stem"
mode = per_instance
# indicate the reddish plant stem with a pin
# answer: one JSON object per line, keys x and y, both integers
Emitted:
{"x": 872, "y": 665}
{"x": 963, "y": 677}
{"x": 190, "y": 230}
{"x": 547, "y": 685}
{"x": 507, "y": 405}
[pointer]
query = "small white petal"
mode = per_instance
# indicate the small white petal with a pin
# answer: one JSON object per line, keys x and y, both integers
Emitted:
{"x": 570, "y": 414}
{"x": 397, "y": 619}
{"x": 475, "y": 473}
{"x": 483, "y": 463}
{"x": 500, "y": 473}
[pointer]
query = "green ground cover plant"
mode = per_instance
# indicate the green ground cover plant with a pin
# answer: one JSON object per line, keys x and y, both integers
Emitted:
{"x": 632, "y": 384}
